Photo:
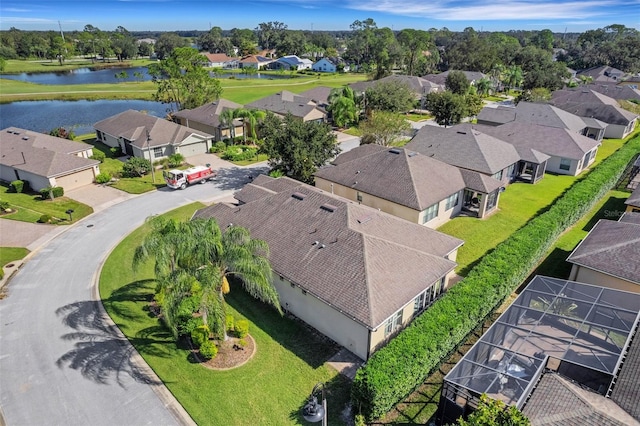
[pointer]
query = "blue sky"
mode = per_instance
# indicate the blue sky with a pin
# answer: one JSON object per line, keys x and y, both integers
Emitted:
{"x": 171, "y": 15}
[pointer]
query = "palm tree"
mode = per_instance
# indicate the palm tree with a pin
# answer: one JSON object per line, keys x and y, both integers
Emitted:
{"x": 250, "y": 118}
{"x": 226, "y": 120}
{"x": 513, "y": 76}
{"x": 343, "y": 106}
{"x": 483, "y": 86}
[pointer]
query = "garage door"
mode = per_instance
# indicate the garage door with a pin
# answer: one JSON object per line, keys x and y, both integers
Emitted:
{"x": 193, "y": 149}
{"x": 75, "y": 180}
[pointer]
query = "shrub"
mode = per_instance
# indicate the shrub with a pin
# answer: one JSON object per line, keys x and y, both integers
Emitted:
{"x": 98, "y": 155}
{"x": 103, "y": 178}
{"x": 136, "y": 167}
{"x": 45, "y": 218}
{"x": 239, "y": 153}
{"x": 208, "y": 350}
{"x": 199, "y": 335}
{"x": 434, "y": 335}
{"x": 4, "y": 206}
{"x": 116, "y": 151}
{"x": 230, "y": 322}
{"x": 219, "y": 146}
{"x": 276, "y": 173}
{"x": 17, "y": 186}
{"x": 242, "y": 328}
{"x": 175, "y": 160}
{"x": 51, "y": 192}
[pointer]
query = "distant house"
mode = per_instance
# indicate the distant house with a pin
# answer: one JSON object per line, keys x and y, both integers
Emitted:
{"x": 285, "y": 102}
{"x": 608, "y": 255}
{"x": 44, "y": 160}
{"x": 206, "y": 118}
{"x": 255, "y": 61}
{"x": 603, "y": 73}
{"x": 418, "y": 85}
{"x": 564, "y": 353}
{"x": 330, "y": 65}
{"x": 441, "y": 78}
{"x": 568, "y": 153}
{"x": 319, "y": 95}
{"x": 153, "y": 138}
{"x": 292, "y": 62}
{"x": 591, "y": 104}
{"x": 618, "y": 91}
{"x": 355, "y": 274}
{"x": 469, "y": 148}
{"x": 221, "y": 60}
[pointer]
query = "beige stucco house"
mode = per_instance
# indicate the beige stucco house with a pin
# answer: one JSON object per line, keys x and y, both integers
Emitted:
{"x": 354, "y": 273}
{"x": 207, "y": 118}
{"x": 145, "y": 136}
{"x": 609, "y": 255}
{"x": 403, "y": 183}
{"x": 45, "y": 161}
{"x": 285, "y": 102}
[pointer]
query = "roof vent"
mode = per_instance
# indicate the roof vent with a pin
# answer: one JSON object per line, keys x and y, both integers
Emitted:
{"x": 298, "y": 195}
{"x": 364, "y": 219}
{"x": 322, "y": 246}
{"x": 461, "y": 133}
{"x": 412, "y": 154}
{"x": 394, "y": 151}
{"x": 25, "y": 138}
{"x": 329, "y": 207}
{"x": 315, "y": 243}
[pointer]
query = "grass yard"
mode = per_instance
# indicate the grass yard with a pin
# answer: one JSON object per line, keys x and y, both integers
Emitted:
{"x": 10, "y": 254}
{"x": 270, "y": 389}
{"x": 30, "y": 207}
{"x": 517, "y": 205}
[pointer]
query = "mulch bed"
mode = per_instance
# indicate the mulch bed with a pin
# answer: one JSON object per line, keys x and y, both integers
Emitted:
{"x": 230, "y": 355}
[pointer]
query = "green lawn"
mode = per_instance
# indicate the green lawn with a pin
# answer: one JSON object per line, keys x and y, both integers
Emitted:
{"x": 9, "y": 254}
{"x": 30, "y": 206}
{"x": 517, "y": 205}
{"x": 269, "y": 390}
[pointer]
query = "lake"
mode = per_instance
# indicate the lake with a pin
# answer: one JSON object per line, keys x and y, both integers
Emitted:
{"x": 89, "y": 76}
{"x": 76, "y": 116}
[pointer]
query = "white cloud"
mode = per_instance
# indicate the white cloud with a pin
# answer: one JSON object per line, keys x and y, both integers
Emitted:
{"x": 23, "y": 20}
{"x": 483, "y": 10}
{"x": 15, "y": 10}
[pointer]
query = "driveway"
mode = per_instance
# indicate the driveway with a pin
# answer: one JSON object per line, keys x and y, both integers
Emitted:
{"x": 62, "y": 361}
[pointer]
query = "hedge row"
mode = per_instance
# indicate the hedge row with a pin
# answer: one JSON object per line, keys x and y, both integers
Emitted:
{"x": 396, "y": 370}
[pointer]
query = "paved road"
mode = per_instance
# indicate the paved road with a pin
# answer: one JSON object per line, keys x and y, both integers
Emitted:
{"x": 61, "y": 360}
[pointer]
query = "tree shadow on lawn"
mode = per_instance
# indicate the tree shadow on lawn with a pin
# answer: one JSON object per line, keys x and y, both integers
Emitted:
{"x": 308, "y": 344}
{"x": 101, "y": 352}
{"x": 118, "y": 302}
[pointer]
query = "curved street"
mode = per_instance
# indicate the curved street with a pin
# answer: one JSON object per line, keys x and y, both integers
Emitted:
{"x": 62, "y": 361}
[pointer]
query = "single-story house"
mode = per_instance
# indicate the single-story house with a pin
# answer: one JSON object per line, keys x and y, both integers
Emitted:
{"x": 319, "y": 95}
{"x": 330, "y": 65}
{"x": 591, "y": 104}
{"x": 564, "y": 353}
{"x": 207, "y": 118}
{"x": 419, "y": 86}
{"x": 45, "y": 161}
{"x": 441, "y": 78}
{"x": 467, "y": 147}
{"x": 255, "y": 61}
{"x": 609, "y": 255}
{"x": 602, "y": 74}
{"x": 285, "y": 102}
{"x": 355, "y": 274}
{"x": 403, "y": 183}
{"x": 545, "y": 115}
{"x": 568, "y": 153}
{"x": 616, "y": 90}
{"x": 145, "y": 136}
{"x": 292, "y": 62}
{"x": 221, "y": 60}
{"x": 633, "y": 202}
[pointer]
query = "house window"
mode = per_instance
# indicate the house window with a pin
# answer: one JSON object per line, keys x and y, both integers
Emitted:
{"x": 419, "y": 304}
{"x": 492, "y": 200}
{"x": 430, "y": 213}
{"x": 498, "y": 175}
{"x": 359, "y": 197}
{"x": 587, "y": 158}
{"x": 565, "y": 164}
{"x": 394, "y": 323}
{"x": 157, "y": 152}
{"x": 452, "y": 201}
{"x": 511, "y": 171}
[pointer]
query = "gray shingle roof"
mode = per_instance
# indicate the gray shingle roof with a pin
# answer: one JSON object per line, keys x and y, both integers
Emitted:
{"x": 284, "y": 102}
{"x": 465, "y": 147}
{"x": 603, "y": 73}
{"x": 480, "y": 182}
{"x": 133, "y": 126}
{"x": 418, "y": 85}
{"x": 634, "y": 198}
{"x": 397, "y": 175}
{"x": 41, "y": 154}
{"x": 558, "y": 402}
{"x": 548, "y": 115}
{"x": 441, "y": 78}
{"x": 612, "y": 248}
{"x": 367, "y": 264}
{"x": 208, "y": 113}
{"x": 589, "y": 103}
{"x": 615, "y": 91}
{"x": 319, "y": 95}
{"x": 626, "y": 391}
{"x": 554, "y": 141}
{"x": 495, "y": 116}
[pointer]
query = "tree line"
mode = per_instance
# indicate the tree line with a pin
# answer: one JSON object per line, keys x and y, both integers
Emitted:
{"x": 365, "y": 45}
